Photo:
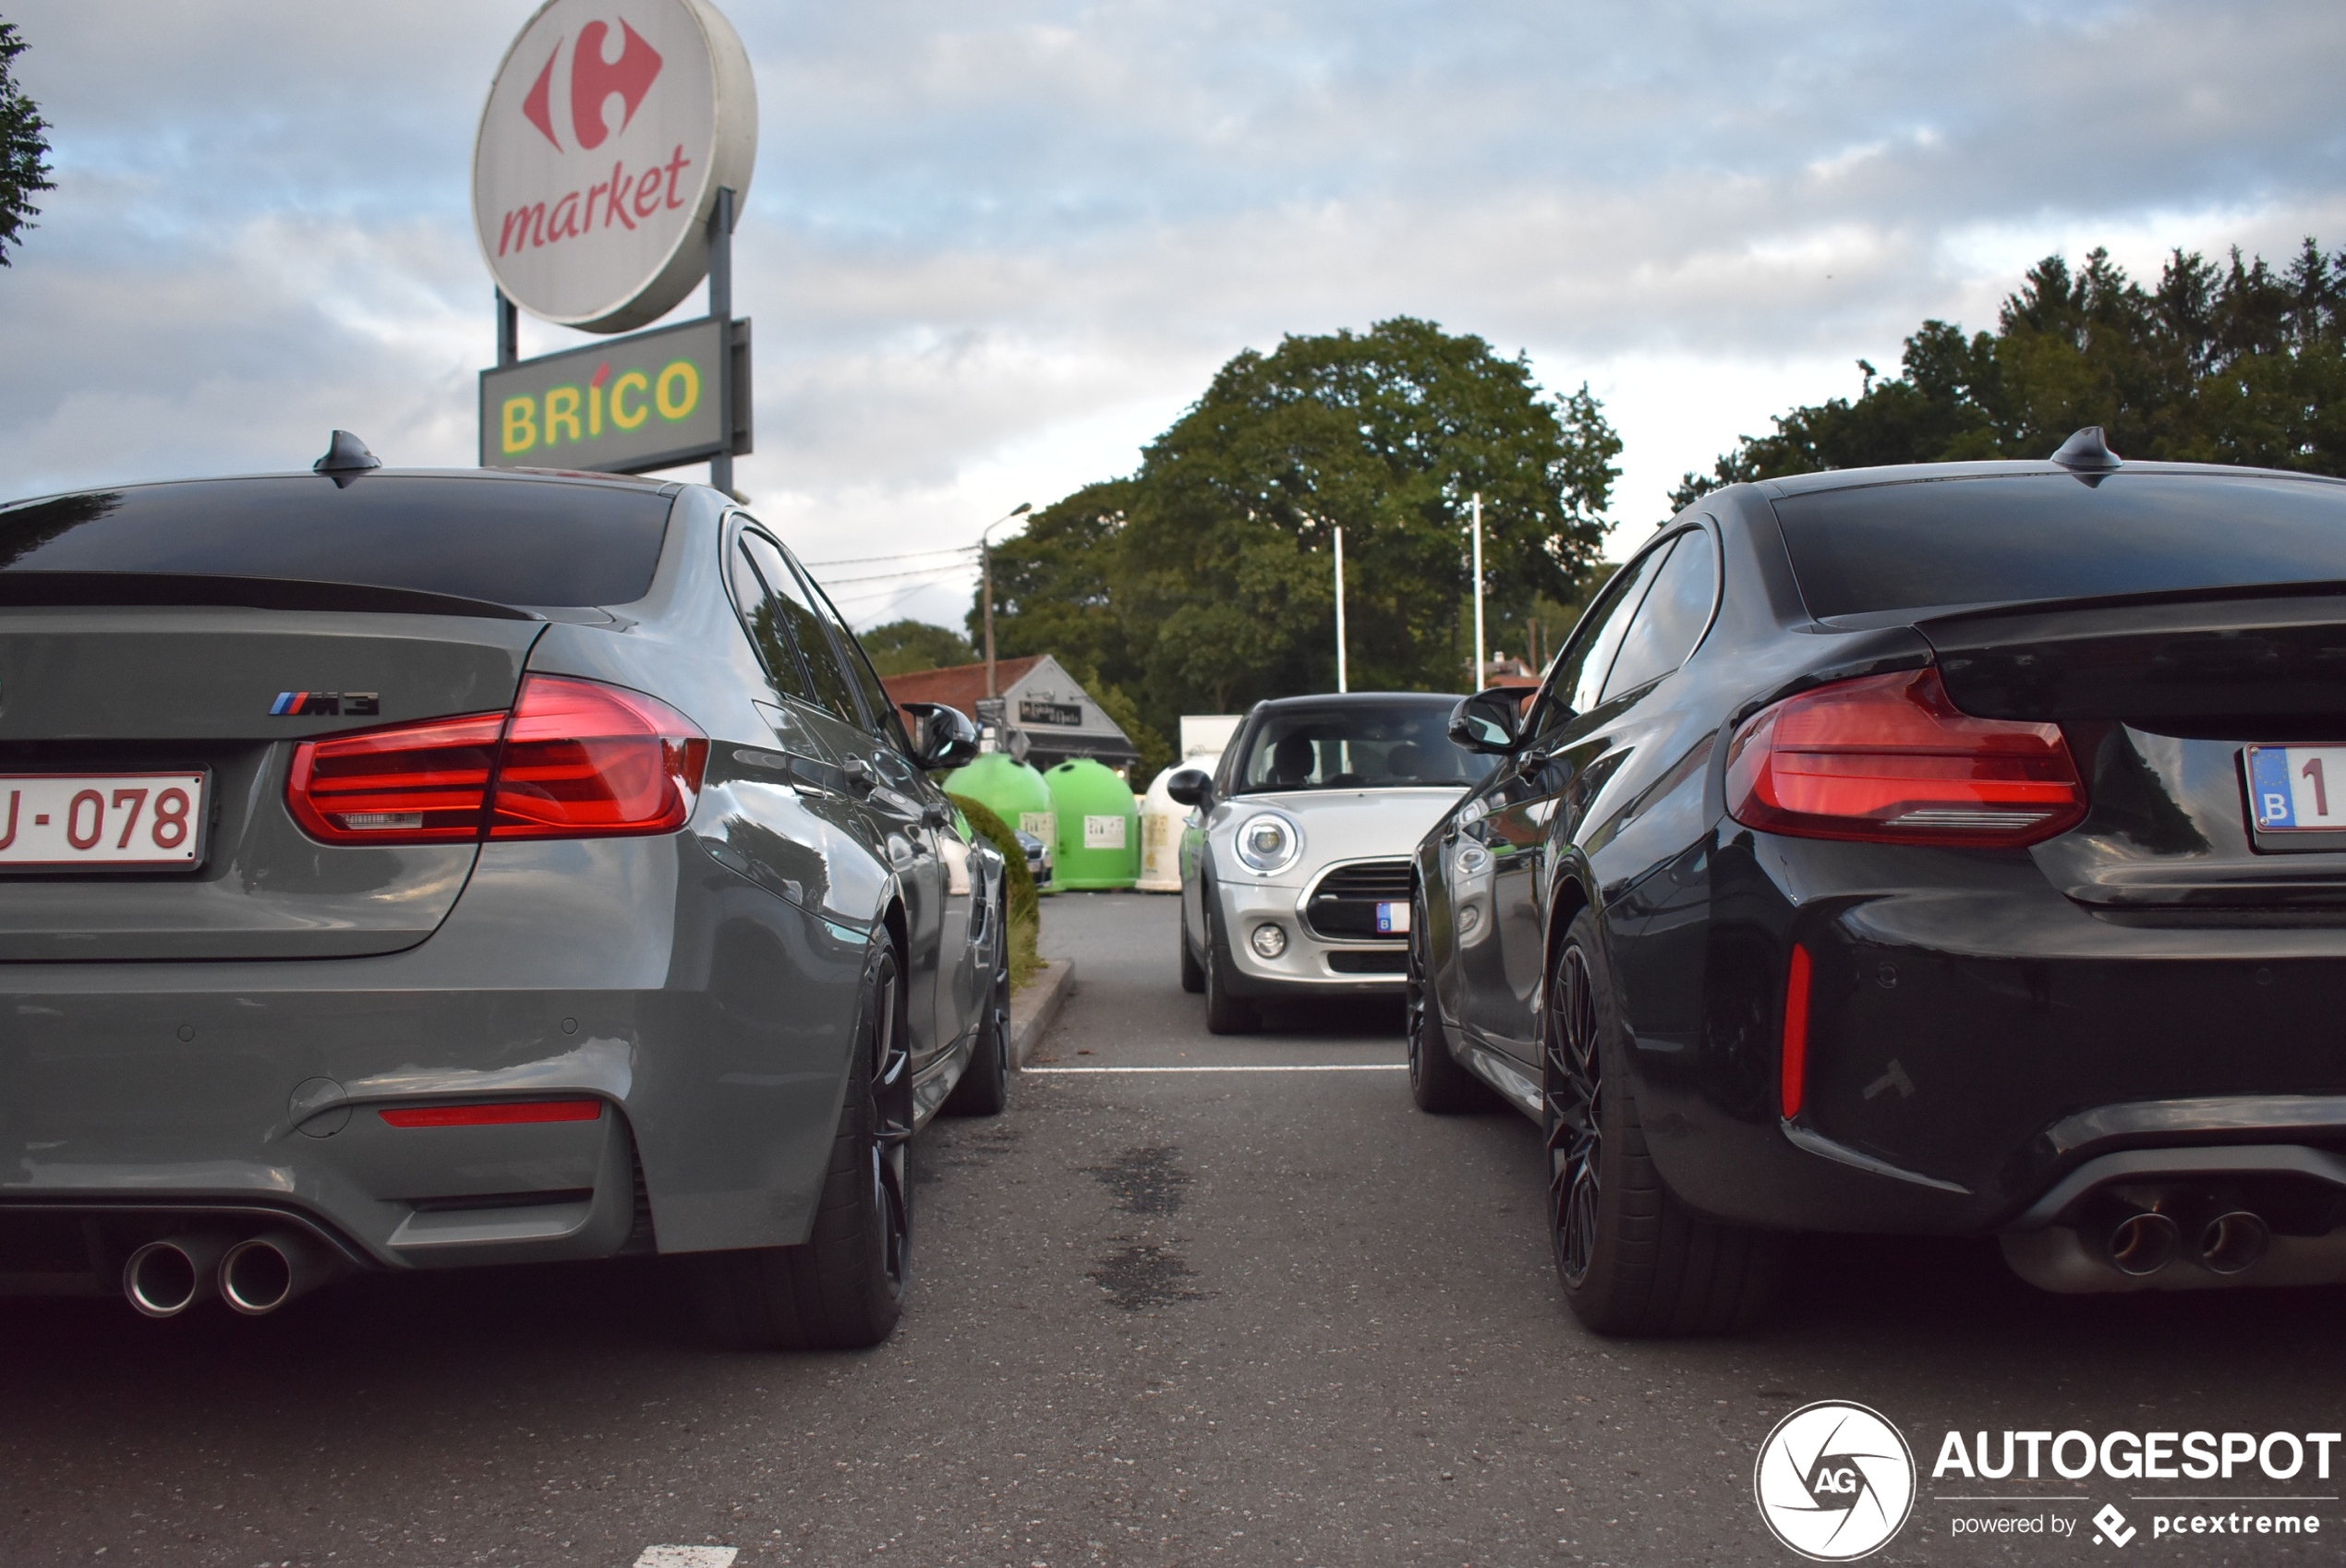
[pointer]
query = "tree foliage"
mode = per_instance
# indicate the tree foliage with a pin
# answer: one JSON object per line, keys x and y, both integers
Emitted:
{"x": 2240, "y": 363}
{"x": 900, "y": 647}
{"x": 1204, "y": 581}
{"x": 24, "y": 148}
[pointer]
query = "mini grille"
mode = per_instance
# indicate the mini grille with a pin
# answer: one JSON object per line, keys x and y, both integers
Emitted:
{"x": 1345, "y": 903}
{"x": 1369, "y": 963}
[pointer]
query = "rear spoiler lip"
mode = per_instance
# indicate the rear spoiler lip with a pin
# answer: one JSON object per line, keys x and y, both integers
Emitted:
{"x": 97, "y": 589}
{"x": 1928, "y": 618}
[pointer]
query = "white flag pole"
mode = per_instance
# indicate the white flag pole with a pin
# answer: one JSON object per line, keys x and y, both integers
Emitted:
{"x": 1341, "y": 684}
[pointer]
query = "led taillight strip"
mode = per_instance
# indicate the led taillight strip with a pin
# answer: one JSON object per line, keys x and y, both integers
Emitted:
{"x": 507, "y": 1113}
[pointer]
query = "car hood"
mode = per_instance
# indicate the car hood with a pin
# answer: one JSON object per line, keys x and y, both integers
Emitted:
{"x": 1338, "y": 824}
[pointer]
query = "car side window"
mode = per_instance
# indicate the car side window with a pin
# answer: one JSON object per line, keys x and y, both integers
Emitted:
{"x": 885, "y": 720}
{"x": 767, "y": 632}
{"x": 1580, "y": 680}
{"x": 798, "y": 616}
{"x": 1671, "y": 621}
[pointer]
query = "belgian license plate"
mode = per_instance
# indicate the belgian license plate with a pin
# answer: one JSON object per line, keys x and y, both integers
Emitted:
{"x": 1392, "y": 919}
{"x": 2297, "y": 789}
{"x": 105, "y": 821}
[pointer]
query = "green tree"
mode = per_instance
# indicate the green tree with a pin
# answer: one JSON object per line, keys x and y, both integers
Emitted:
{"x": 24, "y": 148}
{"x": 2242, "y": 363}
{"x": 902, "y": 647}
{"x": 1205, "y": 581}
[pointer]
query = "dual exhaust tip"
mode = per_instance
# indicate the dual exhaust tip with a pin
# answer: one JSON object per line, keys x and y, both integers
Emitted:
{"x": 255, "y": 1275}
{"x": 2147, "y": 1241}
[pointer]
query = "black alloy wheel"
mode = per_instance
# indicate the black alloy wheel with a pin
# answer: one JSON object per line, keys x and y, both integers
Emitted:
{"x": 843, "y": 1287}
{"x": 1572, "y": 1084}
{"x": 1438, "y": 1081}
{"x": 1632, "y": 1258}
{"x": 1193, "y": 972}
{"x": 984, "y": 1088}
{"x": 1224, "y": 1013}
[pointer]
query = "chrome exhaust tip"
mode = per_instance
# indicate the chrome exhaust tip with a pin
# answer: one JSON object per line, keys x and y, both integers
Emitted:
{"x": 261, "y": 1273}
{"x": 2143, "y": 1244}
{"x": 2234, "y": 1241}
{"x": 164, "y": 1278}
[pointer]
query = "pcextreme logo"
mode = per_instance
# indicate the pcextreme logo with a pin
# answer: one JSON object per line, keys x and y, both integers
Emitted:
{"x": 1834, "y": 1481}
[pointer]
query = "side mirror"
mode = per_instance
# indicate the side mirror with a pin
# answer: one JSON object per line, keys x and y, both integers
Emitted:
{"x": 1489, "y": 720}
{"x": 946, "y": 737}
{"x": 1191, "y": 787}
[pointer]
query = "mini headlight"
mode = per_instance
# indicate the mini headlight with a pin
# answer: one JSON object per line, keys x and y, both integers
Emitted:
{"x": 1269, "y": 941}
{"x": 1268, "y": 843}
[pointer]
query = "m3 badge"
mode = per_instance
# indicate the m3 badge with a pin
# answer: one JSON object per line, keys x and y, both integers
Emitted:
{"x": 320, "y": 704}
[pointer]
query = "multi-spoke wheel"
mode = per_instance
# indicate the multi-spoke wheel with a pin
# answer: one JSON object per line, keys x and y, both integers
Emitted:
{"x": 1632, "y": 1258}
{"x": 1437, "y": 1082}
{"x": 845, "y": 1288}
{"x": 1573, "y": 1087}
{"x": 984, "y": 1088}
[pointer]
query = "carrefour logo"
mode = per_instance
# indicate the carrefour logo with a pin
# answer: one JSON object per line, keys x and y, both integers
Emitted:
{"x": 571, "y": 414}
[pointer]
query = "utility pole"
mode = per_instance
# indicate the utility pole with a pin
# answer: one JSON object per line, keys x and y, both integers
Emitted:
{"x": 1340, "y": 683}
{"x": 986, "y": 567}
{"x": 1480, "y": 663}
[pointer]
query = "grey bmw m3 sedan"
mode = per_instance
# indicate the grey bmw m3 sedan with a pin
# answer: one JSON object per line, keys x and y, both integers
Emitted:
{"x": 411, "y": 869}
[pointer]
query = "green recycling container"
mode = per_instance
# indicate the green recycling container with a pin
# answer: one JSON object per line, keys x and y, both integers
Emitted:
{"x": 1012, "y": 790}
{"x": 1099, "y": 843}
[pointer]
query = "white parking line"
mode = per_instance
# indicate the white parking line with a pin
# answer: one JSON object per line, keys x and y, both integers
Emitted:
{"x": 1275, "y": 1066}
{"x": 688, "y": 1557}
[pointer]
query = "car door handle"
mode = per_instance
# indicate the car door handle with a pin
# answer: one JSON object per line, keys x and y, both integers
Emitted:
{"x": 937, "y": 814}
{"x": 861, "y": 780}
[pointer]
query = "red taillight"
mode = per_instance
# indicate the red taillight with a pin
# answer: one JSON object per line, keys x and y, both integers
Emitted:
{"x": 1796, "y": 1032}
{"x": 575, "y": 759}
{"x": 1889, "y": 759}
{"x": 586, "y": 760}
{"x": 510, "y": 1113}
{"x": 407, "y": 784}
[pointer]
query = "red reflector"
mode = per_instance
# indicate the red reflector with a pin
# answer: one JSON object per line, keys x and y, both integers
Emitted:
{"x": 405, "y": 784}
{"x": 1796, "y": 1032}
{"x": 575, "y": 759}
{"x": 587, "y": 759}
{"x": 1889, "y": 759}
{"x": 510, "y": 1113}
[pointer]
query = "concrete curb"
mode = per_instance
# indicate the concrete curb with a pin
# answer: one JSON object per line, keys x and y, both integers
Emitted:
{"x": 1034, "y": 1009}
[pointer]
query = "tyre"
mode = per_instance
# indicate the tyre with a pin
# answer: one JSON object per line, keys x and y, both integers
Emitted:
{"x": 1631, "y": 1258}
{"x": 1193, "y": 972}
{"x": 1225, "y": 1014}
{"x": 1438, "y": 1081}
{"x": 843, "y": 1289}
{"x": 984, "y": 1088}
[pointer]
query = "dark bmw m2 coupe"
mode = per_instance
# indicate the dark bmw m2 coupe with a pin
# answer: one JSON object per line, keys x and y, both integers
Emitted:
{"x": 1948, "y": 850}
{"x": 413, "y": 870}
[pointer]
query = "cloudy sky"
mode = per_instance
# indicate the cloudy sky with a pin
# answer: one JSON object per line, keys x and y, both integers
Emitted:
{"x": 993, "y": 246}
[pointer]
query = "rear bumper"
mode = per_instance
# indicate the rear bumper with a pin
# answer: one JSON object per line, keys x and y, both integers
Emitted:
{"x": 1991, "y": 1056}
{"x": 708, "y": 1017}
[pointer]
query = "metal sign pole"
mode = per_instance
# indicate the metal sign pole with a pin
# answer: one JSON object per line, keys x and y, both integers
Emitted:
{"x": 721, "y": 307}
{"x": 508, "y": 333}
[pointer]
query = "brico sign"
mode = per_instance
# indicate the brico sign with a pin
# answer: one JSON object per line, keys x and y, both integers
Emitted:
{"x": 610, "y": 128}
{"x": 640, "y": 403}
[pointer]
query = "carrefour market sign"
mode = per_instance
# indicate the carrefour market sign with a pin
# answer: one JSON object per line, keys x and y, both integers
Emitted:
{"x": 610, "y": 130}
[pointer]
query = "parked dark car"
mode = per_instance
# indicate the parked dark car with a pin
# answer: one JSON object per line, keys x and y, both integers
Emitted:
{"x": 1942, "y": 850}
{"x": 415, "y": 870}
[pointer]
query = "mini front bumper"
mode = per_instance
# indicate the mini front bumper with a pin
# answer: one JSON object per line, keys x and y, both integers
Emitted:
{"x": 1309, "y": 963}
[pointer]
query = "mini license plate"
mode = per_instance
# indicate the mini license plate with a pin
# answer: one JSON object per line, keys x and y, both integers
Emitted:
{"x": 2297, "y": 789}
{"x": 104, "y": 820}
{"x": 1392, "y": 919}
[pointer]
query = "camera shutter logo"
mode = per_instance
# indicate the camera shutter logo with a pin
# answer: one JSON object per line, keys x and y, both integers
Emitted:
{"x": 1834, "y": 1481}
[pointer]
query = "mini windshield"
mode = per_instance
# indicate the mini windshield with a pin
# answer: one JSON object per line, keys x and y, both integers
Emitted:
{"x": 1399, "y": 743}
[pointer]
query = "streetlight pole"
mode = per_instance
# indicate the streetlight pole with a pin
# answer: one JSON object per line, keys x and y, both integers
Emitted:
{"x": 1340, "y": 683}
{"x": 1480, "y": 663}
{"x": 986, "y": 566}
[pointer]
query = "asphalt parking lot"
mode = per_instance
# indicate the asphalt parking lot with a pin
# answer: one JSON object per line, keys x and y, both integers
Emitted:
{"x": 1273, "y": 1317}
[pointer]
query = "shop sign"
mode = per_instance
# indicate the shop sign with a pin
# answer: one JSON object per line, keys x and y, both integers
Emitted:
{"x": 645, "y": 402}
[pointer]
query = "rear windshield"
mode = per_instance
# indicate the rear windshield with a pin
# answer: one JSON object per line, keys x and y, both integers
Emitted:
{"x": 508, "y": 541}
{"x": 1998, "y": 541}
{"x": 1355, "y": 747}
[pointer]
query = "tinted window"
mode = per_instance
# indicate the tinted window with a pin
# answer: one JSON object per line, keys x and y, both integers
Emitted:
{"x": 797, "y": 614}
{"x": 508, "y": 541}
{"x": 1991, "y": 540}
{"x": 767, "y": 632}
{"x": 1580, "y": 679}
{"x": 877, "y": 702}
{"x": 1676, "y": 610}
{"x": 1356, "y": 745}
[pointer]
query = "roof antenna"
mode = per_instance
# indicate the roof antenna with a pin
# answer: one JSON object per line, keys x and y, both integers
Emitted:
{"x": 348, "y": 454}
{"x": 2087, "y": 454}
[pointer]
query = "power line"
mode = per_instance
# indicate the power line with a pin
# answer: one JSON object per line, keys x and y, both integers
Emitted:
{"x": 907, "y": 555}
{"x": 891, "y": 576}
